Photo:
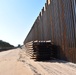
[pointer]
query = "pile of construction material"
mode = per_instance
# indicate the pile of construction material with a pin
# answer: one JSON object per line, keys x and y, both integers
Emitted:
{"x": 40, "y": 50}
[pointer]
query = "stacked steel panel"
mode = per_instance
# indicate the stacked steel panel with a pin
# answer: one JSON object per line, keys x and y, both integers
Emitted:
{"x": 41, "y": 50}
{"x": 57, "y": 22}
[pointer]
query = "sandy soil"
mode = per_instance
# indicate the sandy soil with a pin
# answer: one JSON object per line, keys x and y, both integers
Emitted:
{"x": 17, "y": 62}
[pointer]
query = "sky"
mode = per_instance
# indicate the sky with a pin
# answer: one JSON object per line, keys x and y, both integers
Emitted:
{"x": 17, "y": 18}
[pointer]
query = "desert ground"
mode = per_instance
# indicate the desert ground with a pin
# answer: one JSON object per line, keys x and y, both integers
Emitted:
{"x": 17, "y": 62}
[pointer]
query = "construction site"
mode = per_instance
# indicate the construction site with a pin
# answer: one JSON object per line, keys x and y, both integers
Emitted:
{"x": 53, "y": 34}
{"x": 50, "y": 46}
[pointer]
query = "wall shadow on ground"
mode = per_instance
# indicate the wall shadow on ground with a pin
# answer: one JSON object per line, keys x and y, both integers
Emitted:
{"x": 56, "y": 57}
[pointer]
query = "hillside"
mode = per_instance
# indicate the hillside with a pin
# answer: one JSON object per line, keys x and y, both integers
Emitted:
{"x": 5, "y": 45}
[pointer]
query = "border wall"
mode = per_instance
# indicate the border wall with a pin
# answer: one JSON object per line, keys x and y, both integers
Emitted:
{"x": 57, "y": 22}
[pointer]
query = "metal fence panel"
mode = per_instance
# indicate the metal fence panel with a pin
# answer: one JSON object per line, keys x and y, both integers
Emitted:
{"x": 57, "y": 22}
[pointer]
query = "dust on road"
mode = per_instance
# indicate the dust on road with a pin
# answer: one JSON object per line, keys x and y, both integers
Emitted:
{"x": 17, "y": 62}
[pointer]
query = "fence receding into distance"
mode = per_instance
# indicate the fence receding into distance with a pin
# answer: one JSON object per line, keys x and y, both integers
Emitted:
{"x": 57, "y": 22}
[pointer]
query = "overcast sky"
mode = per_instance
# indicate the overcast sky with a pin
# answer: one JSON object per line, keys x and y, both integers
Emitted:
{"x": 17, "y": 17}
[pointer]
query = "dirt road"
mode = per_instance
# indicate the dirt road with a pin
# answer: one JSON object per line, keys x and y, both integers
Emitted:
{"x": 17, "y": 62}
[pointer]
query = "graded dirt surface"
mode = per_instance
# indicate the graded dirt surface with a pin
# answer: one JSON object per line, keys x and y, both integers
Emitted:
{"x": 17, "y": 62}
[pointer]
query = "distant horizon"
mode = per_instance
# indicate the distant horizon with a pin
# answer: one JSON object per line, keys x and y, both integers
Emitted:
{"x": 17, "y": 18}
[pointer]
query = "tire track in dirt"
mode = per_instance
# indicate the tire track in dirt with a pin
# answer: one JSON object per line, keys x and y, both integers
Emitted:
{"x": 57, "y": 67}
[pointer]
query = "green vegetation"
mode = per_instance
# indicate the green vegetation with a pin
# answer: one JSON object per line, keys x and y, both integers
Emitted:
{"x": 5, "y": 45}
